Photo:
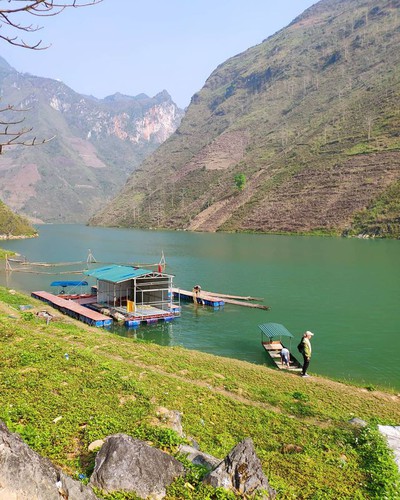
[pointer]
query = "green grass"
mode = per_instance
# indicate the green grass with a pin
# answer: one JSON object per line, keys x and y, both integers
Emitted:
{"x": 12, "y": 224}
{"x": 112, "y": 384}
{"x": 380, "y": 219}
{"x": 3, "y": 253}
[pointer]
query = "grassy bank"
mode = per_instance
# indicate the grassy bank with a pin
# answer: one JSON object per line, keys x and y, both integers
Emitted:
{"x": 111, "y": 384}
{"x": 3, "y": 254}
{"x": 14, "y": 225}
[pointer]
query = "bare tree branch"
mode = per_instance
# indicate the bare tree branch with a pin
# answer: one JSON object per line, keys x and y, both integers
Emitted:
{"x": 10, "y": 18}
{"x": 16, "y": 136}
{"x": 39, "y": 8}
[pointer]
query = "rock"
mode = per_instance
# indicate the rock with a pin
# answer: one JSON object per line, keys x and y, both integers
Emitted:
{"x": 194, "y": 443}
{"x": 241, "y": 472}
{"x": 171, "y": 419}
{"x": 358, "y": 422}
{"x": 198, "y": 457}
{"x": 128, "y": 464}
{"x": 95, "y": 445}
{"x": 25, "y": 475}
{"x": 392, "y": 435}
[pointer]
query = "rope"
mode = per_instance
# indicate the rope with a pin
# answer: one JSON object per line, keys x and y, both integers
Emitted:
{"x": 89, "y": 260}
{"x": 48, "y": 273}
{"x": 53, "y": 264}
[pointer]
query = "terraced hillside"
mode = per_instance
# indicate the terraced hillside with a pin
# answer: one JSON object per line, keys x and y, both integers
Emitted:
{"x": 310, "y": 117}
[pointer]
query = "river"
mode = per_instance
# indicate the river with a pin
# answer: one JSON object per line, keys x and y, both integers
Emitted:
{"x": 346, "y": 291}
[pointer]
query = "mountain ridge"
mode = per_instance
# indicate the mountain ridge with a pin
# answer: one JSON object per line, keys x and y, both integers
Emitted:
{"x": 305, "y": 105}
{"x": 97, "y": 144}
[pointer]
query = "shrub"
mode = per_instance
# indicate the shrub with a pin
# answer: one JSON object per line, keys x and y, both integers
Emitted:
{"x": 240, "y": 181}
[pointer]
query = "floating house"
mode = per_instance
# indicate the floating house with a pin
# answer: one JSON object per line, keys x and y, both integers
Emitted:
{"x": 134, "y": 295}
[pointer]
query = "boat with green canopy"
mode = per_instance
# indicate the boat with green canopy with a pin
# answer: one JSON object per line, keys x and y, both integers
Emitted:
{"x": 274, "y": 337}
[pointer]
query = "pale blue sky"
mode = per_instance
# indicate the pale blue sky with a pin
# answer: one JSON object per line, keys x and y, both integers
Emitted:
{"x": 131, "y": 46}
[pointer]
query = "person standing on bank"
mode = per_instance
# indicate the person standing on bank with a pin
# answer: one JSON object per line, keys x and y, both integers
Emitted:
{"x": 306, "y": 352}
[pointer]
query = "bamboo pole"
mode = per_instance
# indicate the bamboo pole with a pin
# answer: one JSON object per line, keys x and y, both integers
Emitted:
{"x": 245, "y": 304}
{"x": 238, "y": 297}
{"x": 208, "y": 295}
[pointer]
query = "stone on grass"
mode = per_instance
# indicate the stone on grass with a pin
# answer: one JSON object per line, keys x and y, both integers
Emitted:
{"x": 95, "y": 445}
{"x": 25, "y": 475}
{"x": 197, "y": 457}
{"x": 358, "y": 422}
{"x": 131, "y": 465}
{"x": 171, "y": 419}
{"x": 241, "y": 473}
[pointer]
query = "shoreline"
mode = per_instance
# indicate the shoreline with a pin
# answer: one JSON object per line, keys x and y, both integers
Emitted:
{"x": 6, "y": 237}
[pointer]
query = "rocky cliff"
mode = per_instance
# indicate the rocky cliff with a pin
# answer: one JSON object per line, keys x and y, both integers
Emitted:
{"x": 97, "y": 144}
{"x": 310, "y": 117}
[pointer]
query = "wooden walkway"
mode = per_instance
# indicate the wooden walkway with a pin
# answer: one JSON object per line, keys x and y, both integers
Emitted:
{"x": 209, "y": 300}
{"x": 218, "y": 300}
{"x": 73, "y": 309}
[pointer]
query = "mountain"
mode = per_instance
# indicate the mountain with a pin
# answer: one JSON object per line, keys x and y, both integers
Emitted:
{"x": 97, "y": 144}
{"x": 13, "y": 225}
{"x": 310, "y": 118}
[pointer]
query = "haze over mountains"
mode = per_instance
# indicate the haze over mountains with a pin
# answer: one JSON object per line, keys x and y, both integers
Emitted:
{"x": 97, "y": 144}
{"x": 310, "y": 117}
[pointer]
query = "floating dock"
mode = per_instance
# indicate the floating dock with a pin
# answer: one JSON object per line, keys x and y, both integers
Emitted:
{"x": 71, "y": 308}
{"x": 144, "y": 314}
{"x": 218, "y": 300}
{"x": 147, "y": 314}
{"x": 208, "y": 300}
{"x": 239, "y": 300}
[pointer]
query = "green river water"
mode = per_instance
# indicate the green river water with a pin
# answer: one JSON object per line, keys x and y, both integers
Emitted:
{"x": 346, "y": 291}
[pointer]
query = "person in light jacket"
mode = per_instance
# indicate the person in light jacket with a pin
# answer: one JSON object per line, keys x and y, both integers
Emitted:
{"x": 285, "y": 356}
{"x": 306, "y": 352}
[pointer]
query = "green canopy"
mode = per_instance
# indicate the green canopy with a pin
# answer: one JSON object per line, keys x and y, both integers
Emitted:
{"x": 117, "y": 274}
{"x": 274, "y": 330}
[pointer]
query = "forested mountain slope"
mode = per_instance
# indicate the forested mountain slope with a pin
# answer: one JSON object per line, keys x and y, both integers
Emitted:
{"x": 310, "y": 117}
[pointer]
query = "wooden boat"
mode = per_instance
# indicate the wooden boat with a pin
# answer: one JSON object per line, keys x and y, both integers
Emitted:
{"x": 271, "y": 339}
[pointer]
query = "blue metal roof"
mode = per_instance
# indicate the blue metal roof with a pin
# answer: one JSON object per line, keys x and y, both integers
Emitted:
{"x": 274, "y": 330}
{"x": 116, "y": 273}
{"x": 69, "y": 283}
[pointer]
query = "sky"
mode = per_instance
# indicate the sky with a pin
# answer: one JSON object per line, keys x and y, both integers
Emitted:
{"x": 133, "y": 47}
